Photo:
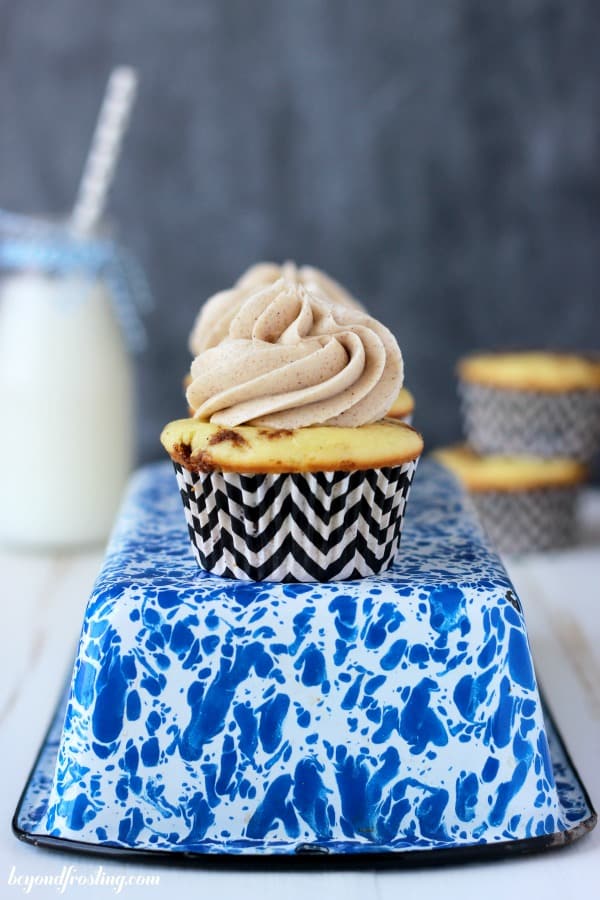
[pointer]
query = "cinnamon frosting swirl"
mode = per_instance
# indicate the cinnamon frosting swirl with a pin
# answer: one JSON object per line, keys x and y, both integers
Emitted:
{"x": 215, "y": 316}
{"x": 290, "y": 358}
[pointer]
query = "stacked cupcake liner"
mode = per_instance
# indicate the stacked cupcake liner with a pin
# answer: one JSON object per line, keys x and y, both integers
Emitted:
{"x": 530, "y": 422}
{"x": 525, "y": 521}
{"x": 547, "y": 425}
{"x": 322, "y": 526}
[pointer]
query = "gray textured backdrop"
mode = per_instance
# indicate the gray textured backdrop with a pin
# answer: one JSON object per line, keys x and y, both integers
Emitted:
{"x": 442, "y": 159}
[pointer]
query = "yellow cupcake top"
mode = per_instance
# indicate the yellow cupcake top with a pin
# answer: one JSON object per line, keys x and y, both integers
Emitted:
{"x": 403, "y": 405}
{"x": 206, "y": 446}
{"x": 532, "y": 371}
{"x": 508, "y": 473}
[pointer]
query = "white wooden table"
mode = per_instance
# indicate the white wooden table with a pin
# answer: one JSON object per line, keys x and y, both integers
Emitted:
{"x": 43, "y": 599}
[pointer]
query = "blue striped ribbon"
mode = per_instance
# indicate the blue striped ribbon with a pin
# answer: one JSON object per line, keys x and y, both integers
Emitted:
{"x": 29, "y": 243}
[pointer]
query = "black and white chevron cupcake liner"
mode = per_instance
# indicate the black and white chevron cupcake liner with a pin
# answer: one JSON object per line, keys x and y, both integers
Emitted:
{"x": 531, "y": 423}
{"x": 528, "y": 521}
{"x": 322, "y": 526}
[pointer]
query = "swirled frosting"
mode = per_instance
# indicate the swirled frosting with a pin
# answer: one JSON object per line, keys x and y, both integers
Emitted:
{"x": 216, "y": 314}
{"x": 292, "y": 359}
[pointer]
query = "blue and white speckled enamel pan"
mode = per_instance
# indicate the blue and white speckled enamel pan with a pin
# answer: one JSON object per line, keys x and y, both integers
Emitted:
{"x": 391, "y": 719}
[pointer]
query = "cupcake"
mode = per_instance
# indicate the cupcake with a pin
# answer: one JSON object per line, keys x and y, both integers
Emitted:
{"x": 540, "y": 404}
{"x": 288, "y": 468}
{"x": 525, "y": 504}
{"x": 403, "y": 407}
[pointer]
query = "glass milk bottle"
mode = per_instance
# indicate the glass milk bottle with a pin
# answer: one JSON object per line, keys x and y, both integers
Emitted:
{"x": 66, "y": 388}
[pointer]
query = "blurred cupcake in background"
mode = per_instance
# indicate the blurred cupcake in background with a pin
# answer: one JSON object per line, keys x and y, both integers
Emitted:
{"x": 403, "y": 407}
{"x": 526, "y": 504}
{"x": 534, "y": 403}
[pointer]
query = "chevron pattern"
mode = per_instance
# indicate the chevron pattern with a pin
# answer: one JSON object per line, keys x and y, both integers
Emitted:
{"x": 529, "y": 422}
{"x": 528, "y": 521}
{"x": 323, "y": 526}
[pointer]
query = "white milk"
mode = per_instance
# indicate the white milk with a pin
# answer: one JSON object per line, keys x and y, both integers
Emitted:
{"x": 66, "y": 397}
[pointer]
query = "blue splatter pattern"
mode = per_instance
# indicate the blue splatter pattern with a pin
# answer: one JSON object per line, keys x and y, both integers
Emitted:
{"x": 399, "y": 711}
